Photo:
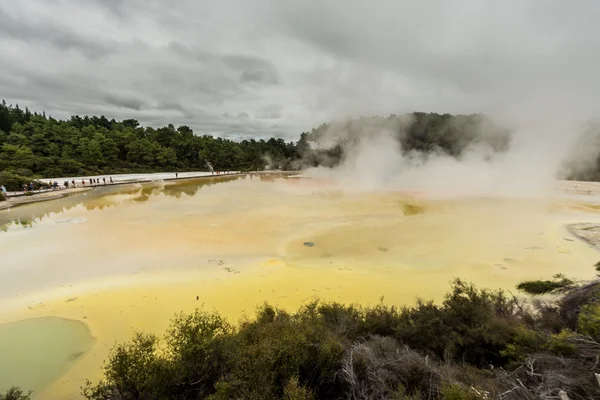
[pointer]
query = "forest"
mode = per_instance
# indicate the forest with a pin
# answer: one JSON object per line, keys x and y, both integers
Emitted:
{"x": 34, "y": 145}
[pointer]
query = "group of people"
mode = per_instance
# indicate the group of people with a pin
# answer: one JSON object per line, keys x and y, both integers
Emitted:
{"x": 91, "y": 181}
{"x": 31, "y": 187}
{"x": 54, "y": 185}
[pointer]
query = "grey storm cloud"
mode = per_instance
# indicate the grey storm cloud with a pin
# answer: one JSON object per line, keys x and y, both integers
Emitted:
{"x": 232, "y": 67}
{"x": 125, "y": 101}
{"x": 21, "y": 27}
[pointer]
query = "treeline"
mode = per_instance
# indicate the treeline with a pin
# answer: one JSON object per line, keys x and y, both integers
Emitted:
{"x": 476, "y": 344}
{"x": 35, "y": 145}
{"x": 415, "y": 133}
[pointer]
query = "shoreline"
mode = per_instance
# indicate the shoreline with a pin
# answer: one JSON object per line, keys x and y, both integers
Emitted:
{"x": 15, "y": 199}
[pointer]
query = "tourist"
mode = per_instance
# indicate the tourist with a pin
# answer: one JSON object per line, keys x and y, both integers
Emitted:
{"x": 90, "y": 181}
{"x": 66, "y": 184}
{"x": 83, "y": 182}
{"x": 3, "y": 190}
{"x": 73, "y": 182}
{"x": 176, "y": 175}
{"x": 104, "y": 180}
{"x": 111, "y": 181}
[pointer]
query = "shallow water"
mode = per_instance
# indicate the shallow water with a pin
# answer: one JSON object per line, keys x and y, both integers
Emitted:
{"x": 130, "y": 257}
{"x": 37, "y": 351}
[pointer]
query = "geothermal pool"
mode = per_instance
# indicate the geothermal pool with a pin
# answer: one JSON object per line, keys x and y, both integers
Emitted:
{"x": 119, "y": 259}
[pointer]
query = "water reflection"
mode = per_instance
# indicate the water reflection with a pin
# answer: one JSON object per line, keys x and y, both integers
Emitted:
{"x": 27, "y": 216}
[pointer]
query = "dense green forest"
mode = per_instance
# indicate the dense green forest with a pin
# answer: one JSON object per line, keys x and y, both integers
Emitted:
{"x": 476, "y": 344}
{"x": 34, "y": 145}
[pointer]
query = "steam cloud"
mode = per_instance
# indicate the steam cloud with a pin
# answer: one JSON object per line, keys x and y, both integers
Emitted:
{"x": 539, "y": 153}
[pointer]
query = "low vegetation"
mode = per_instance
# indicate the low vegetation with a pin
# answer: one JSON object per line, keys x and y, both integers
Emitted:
{"x": 476, "y": 344}
{"x": 15, "y": 394}
{"x": 559, "y": 284}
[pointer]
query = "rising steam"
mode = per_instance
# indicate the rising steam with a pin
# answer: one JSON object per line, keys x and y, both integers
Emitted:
{"x": 536, "y": 155}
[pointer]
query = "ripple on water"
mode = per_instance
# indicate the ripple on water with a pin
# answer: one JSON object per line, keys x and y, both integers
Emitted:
{"x": 37, "y": 351}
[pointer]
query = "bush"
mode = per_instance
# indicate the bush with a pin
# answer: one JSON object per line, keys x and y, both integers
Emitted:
{"x": 455, "y": 391}
{"x": 15, "y": 394}
{"x": 589, "y": 321}
{"x": 471, "y": 325}
{"x": 189, "y": 367}
{"x": 476, "y": 344}
{"x": 2, "y": 197}
{"x": 523, "y": 342}
{"x": 560, "y": 283}
{"x": 294, "y": 391}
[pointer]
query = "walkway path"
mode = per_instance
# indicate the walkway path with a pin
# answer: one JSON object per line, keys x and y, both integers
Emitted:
{"x": 119, "y": 180}
{"x": 20, "y": 198}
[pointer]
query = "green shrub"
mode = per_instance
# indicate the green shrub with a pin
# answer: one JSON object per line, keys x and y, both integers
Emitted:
{"x": 401, "y": 394}
{"x": 545, "y": 286}
{"x": 277, "y": 347}
{"x": 471, "y": 325}
{"x": 15, "y": 393}
{"x": 190, "y": 365}
{"x": 135, "y": 370}
{"x": 455, "y": 391}
{"x": 524, "y": 341}
{"x": 559, "y": 344}
{"x": 294, "y": 391}
{"x": 330, "y": 350}
{"x": 588, "y": 322}
{"x": 2, "y": 197}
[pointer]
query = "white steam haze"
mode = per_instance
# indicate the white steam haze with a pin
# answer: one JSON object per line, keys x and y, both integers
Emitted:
{"x": 539, "y": 153}
{"x": 261, "y": 68}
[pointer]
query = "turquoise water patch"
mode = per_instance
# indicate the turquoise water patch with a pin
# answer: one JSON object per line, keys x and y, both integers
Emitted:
{"x": 37, "y": 351}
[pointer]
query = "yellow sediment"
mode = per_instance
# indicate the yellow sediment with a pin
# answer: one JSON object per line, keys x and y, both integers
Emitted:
{"x": 137, "y": 258}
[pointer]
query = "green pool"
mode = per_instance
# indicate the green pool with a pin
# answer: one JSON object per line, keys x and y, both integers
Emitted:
{"x": 35, "y": 352}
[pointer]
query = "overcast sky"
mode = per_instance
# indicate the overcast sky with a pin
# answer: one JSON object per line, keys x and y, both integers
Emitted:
{"x": 277, "y": 67}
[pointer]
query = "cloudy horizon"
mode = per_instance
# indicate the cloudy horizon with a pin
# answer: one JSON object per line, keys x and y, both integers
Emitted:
{"x": 259, "y": 68}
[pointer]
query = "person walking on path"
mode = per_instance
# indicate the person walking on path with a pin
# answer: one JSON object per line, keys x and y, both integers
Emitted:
{"x": 111, "y": 181}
